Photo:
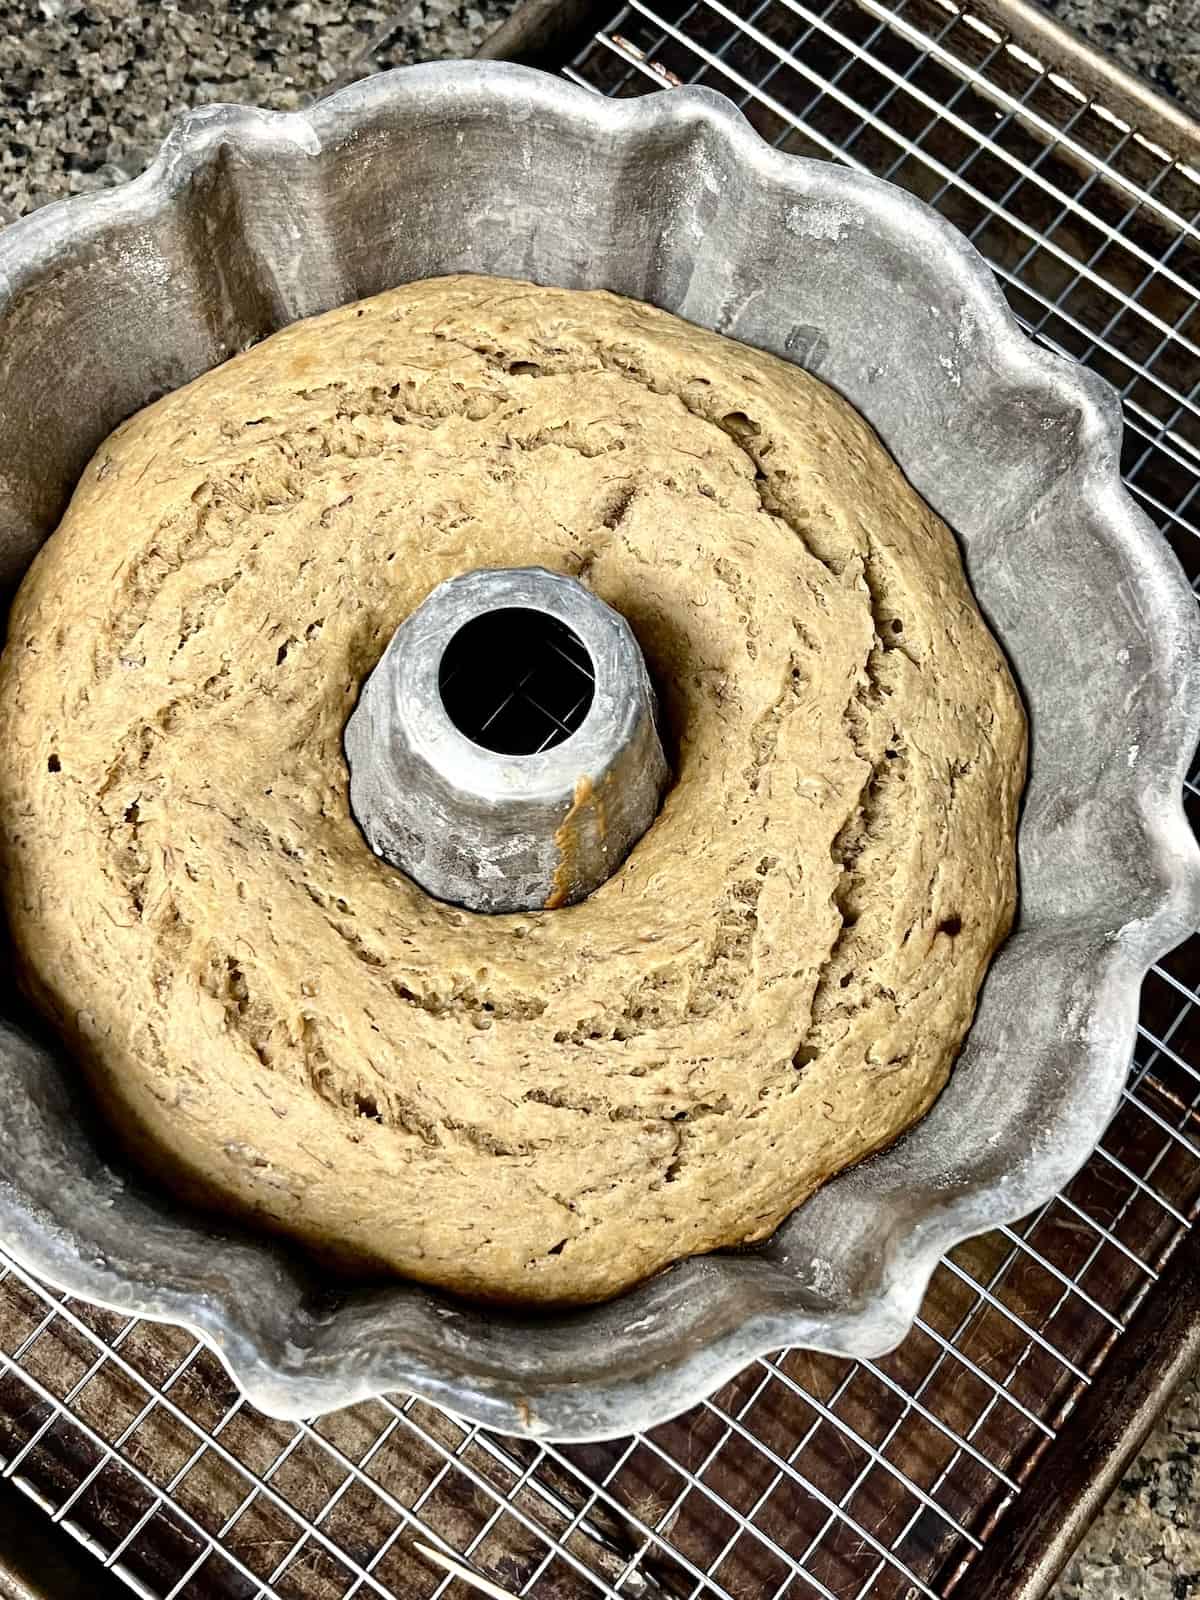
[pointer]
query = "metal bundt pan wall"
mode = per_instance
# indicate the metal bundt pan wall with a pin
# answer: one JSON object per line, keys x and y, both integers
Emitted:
{"x": 249, "y": 220}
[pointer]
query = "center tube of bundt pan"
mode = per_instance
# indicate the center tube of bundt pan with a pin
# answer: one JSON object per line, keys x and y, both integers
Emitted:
{"x": 505, "y": 752}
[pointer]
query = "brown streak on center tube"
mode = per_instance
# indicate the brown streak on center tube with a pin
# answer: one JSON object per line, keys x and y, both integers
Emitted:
{"x": 565, "y": 838}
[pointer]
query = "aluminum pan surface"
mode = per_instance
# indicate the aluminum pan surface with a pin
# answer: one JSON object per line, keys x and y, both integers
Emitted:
{"x": 248, "y": 220}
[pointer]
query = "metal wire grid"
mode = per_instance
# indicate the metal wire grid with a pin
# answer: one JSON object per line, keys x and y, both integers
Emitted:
{"x": 517, "y": 681}
{"x": 805, "y": 1476}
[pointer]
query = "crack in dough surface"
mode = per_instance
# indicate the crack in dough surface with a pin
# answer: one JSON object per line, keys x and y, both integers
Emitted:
{"x": 534, "y": 1107}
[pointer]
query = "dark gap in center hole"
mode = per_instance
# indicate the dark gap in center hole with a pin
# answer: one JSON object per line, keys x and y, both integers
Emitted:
{"x": 516, "y": 681}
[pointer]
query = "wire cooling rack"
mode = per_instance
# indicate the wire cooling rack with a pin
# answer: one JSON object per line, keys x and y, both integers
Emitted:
{"x": 806, "y": 1476}
{"x": 517, "y": 681}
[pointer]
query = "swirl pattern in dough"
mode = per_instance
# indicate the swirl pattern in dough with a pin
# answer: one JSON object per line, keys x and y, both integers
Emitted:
{"x": 531, "y": 1108}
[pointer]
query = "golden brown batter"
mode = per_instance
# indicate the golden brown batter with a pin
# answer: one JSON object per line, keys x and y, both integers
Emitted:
{"x": 537, "y": 1107}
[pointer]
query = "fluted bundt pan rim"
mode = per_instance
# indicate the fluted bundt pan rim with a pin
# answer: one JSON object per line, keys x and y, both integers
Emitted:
{"x": 685, "y": 206}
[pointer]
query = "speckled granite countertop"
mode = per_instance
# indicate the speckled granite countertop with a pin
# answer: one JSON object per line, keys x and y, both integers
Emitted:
{"x": 88, "y": 90}
{"x": 1160, "y": 39}
{"x": 86, "y": 93}
{"x": 1145, "y": 1545}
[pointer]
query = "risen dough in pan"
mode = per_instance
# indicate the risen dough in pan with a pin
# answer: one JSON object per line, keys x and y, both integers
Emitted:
{"x": 537, "y": 1107}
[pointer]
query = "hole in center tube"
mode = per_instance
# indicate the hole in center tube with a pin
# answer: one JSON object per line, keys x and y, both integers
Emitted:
{"x": 516, "y": 681}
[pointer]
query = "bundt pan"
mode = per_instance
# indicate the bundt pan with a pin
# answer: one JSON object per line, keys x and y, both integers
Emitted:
{"x": 248, "y": 220}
